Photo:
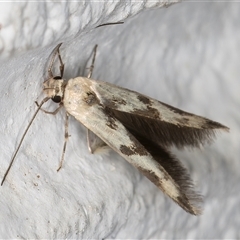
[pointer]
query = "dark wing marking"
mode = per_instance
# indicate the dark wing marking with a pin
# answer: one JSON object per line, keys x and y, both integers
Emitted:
{"x": 189, "y": 200}
{"x": 155, "y": 120}
{"x": 164, "y": 133}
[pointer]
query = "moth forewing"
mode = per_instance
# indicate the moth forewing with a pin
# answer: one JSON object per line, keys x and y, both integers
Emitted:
{"x": 158, "y": 121}
{"x": 81, "y": 97}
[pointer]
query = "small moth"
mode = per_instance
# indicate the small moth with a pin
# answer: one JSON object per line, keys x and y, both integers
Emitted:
{"x": 137, "y": 127}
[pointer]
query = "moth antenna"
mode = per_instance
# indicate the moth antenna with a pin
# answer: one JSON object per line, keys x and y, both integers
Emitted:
{"x": 55, "y": 52}
{"x": 93, "y": 61}
{"x": 111, "y": 23}
{"x": 24, "y": 134}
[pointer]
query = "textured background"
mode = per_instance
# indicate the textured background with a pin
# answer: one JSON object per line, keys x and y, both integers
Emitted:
{"x": 186, "y": 55}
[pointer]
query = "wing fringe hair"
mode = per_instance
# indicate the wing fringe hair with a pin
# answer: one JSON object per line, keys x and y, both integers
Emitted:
{"x": 189, "y": 200}
{"x": 167, "y": 134}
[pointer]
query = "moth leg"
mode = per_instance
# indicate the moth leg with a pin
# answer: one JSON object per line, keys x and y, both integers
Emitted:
{"x": 55, "y": 51}
{"x": 95, "y": 144}
{"x": 48, "y": 112}
{"x": 93, "y": 61}
{"x": 88, "y": 141}
{"x": 65, "y": 141}
{"x": 61, "y": 67}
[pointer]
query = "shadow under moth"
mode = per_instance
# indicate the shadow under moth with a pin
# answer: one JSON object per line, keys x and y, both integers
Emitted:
{"x": 137, "y": 127}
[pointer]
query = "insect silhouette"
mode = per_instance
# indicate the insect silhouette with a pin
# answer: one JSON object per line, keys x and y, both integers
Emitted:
{"x": 139, "y": 128}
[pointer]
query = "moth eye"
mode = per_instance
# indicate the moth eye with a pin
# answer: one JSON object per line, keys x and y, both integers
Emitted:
{"x": 57, "y": 78}
{"x": 57, "y": 99}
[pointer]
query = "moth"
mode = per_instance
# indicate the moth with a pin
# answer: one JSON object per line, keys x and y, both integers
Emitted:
{"x": 139, "y": 128}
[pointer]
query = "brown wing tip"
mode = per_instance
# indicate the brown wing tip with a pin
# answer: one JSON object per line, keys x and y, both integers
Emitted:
{"x": 209, "y": 124}
{"x": 191, "y": 204}
{"x": 226, "y": 129}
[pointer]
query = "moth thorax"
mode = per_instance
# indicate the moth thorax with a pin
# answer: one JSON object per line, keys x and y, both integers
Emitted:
{"x": 54, "y": 88}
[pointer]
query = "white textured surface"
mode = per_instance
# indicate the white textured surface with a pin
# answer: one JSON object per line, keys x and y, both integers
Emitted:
{"x": 186, "y": 55}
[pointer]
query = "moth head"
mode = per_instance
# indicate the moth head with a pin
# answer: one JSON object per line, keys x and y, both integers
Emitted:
{"x": 54, "y": 88}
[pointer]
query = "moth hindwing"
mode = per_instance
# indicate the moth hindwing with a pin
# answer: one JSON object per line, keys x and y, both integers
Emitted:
{"x": 139, "y": 128}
